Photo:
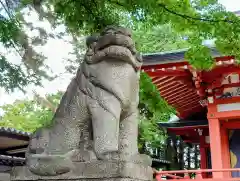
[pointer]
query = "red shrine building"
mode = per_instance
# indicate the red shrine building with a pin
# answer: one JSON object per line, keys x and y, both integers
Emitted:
{"x": 208, "y": 107}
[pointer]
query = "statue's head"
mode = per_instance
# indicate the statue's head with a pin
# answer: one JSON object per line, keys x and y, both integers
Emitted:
{"x": 116, "y": 30}
{"x": 114, "y": 42}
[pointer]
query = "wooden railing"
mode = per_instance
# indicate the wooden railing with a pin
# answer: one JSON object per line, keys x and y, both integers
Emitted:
{"x": 187, "y": 175}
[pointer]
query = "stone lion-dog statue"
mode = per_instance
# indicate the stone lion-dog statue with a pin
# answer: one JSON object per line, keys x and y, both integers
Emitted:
{"x": 97, "y": 118}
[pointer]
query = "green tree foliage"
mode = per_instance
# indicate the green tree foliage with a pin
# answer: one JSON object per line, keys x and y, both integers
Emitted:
{"x": 195, "y": 19}
{"x": 14, "y": 39}
{"x": 157, "y": 26}
{"x": 25, "y": 115}
{"x": 28, "y": 115}
{"x": 153, "y": 109}
{"x": 150, "y": 100}
{"x": 158, "y": 38}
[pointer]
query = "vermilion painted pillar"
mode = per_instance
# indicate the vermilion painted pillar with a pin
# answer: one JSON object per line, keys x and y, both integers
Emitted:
{"x": 225, "y": 150}
{"x": 203, "y": 154}
{"x": 219, "y": 148}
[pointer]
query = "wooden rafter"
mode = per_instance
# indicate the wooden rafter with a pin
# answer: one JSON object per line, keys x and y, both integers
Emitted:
{"x": 170, "y": 91}
{"x": 184, "y": 93}
{"x": 157, "y": 79}
{"x": 191, "y": 103}
{"x": 189, "y": 109}
{"x": 161, "y": 88}
{"x": 160, "y": 83}
{"x": 181, "y": 101}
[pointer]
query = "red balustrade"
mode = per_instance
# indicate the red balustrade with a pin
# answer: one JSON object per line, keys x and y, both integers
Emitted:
{"x": 196, "y": 175}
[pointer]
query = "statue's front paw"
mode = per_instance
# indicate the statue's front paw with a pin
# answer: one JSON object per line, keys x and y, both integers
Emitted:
{"x": 50, "y": 165}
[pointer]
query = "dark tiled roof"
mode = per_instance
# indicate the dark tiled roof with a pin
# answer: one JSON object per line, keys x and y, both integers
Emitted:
{"x": 14, "y": 131}
{"x": 237, "y": 12}
{"x": 171, "y": 56}
{"x": 11, "y": 161}
{"x": 164, "y": 56}
{"x": 183, "y": 123}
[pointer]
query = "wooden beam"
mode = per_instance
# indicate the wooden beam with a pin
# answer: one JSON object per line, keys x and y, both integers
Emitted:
{"x": 165, "y": 65}
{"x": 224, "y": 58}
{"x": 215, "y": 73}
{"x": 226, "y": 115}
{"x": 176, "y": 73}
{"x": 227, "y": 100}
{"x": 231, "y": 124}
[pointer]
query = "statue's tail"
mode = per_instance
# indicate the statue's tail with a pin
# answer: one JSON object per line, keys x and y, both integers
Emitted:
{"x": 50, "y": 165}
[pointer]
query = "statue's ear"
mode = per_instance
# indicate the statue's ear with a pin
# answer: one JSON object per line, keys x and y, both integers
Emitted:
{"x": 91, "y": 39}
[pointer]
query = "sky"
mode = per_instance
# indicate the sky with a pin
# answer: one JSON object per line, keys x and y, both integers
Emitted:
{"x": 58, "y": 50}
{"x": 231, "y": 5}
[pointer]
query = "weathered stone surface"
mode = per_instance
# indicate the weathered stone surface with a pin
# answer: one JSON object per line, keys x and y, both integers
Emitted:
{"x": 4, "y": 177}
{"x": 91, "y": 170}
{"x": 93, "y": 179}
{"x": 97, "y": 116}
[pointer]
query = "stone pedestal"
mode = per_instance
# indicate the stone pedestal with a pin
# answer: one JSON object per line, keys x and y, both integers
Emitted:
{"x": 91, "y": 171}
{"x": 5, "y": 177}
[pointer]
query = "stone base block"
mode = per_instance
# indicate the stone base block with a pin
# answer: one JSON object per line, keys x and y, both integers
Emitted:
{"x": 4, "y": 177}
{"x": 95, "y": 179}
{"x": 91, "y": 171}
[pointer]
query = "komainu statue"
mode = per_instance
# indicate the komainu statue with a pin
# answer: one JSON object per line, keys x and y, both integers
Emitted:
{"x": 97, "y": 118}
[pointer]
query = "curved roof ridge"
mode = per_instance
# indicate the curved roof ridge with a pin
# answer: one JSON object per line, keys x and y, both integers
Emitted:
{"x": 166, "y": 52}
{"x": 171, "y": 56}
{"x": 14, "y": 131}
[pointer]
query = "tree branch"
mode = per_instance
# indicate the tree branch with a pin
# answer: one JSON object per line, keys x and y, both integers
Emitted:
{"x": 6, "y": 10}
{"x": 194, "y": 18}
{"x": 185, "y": 16}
